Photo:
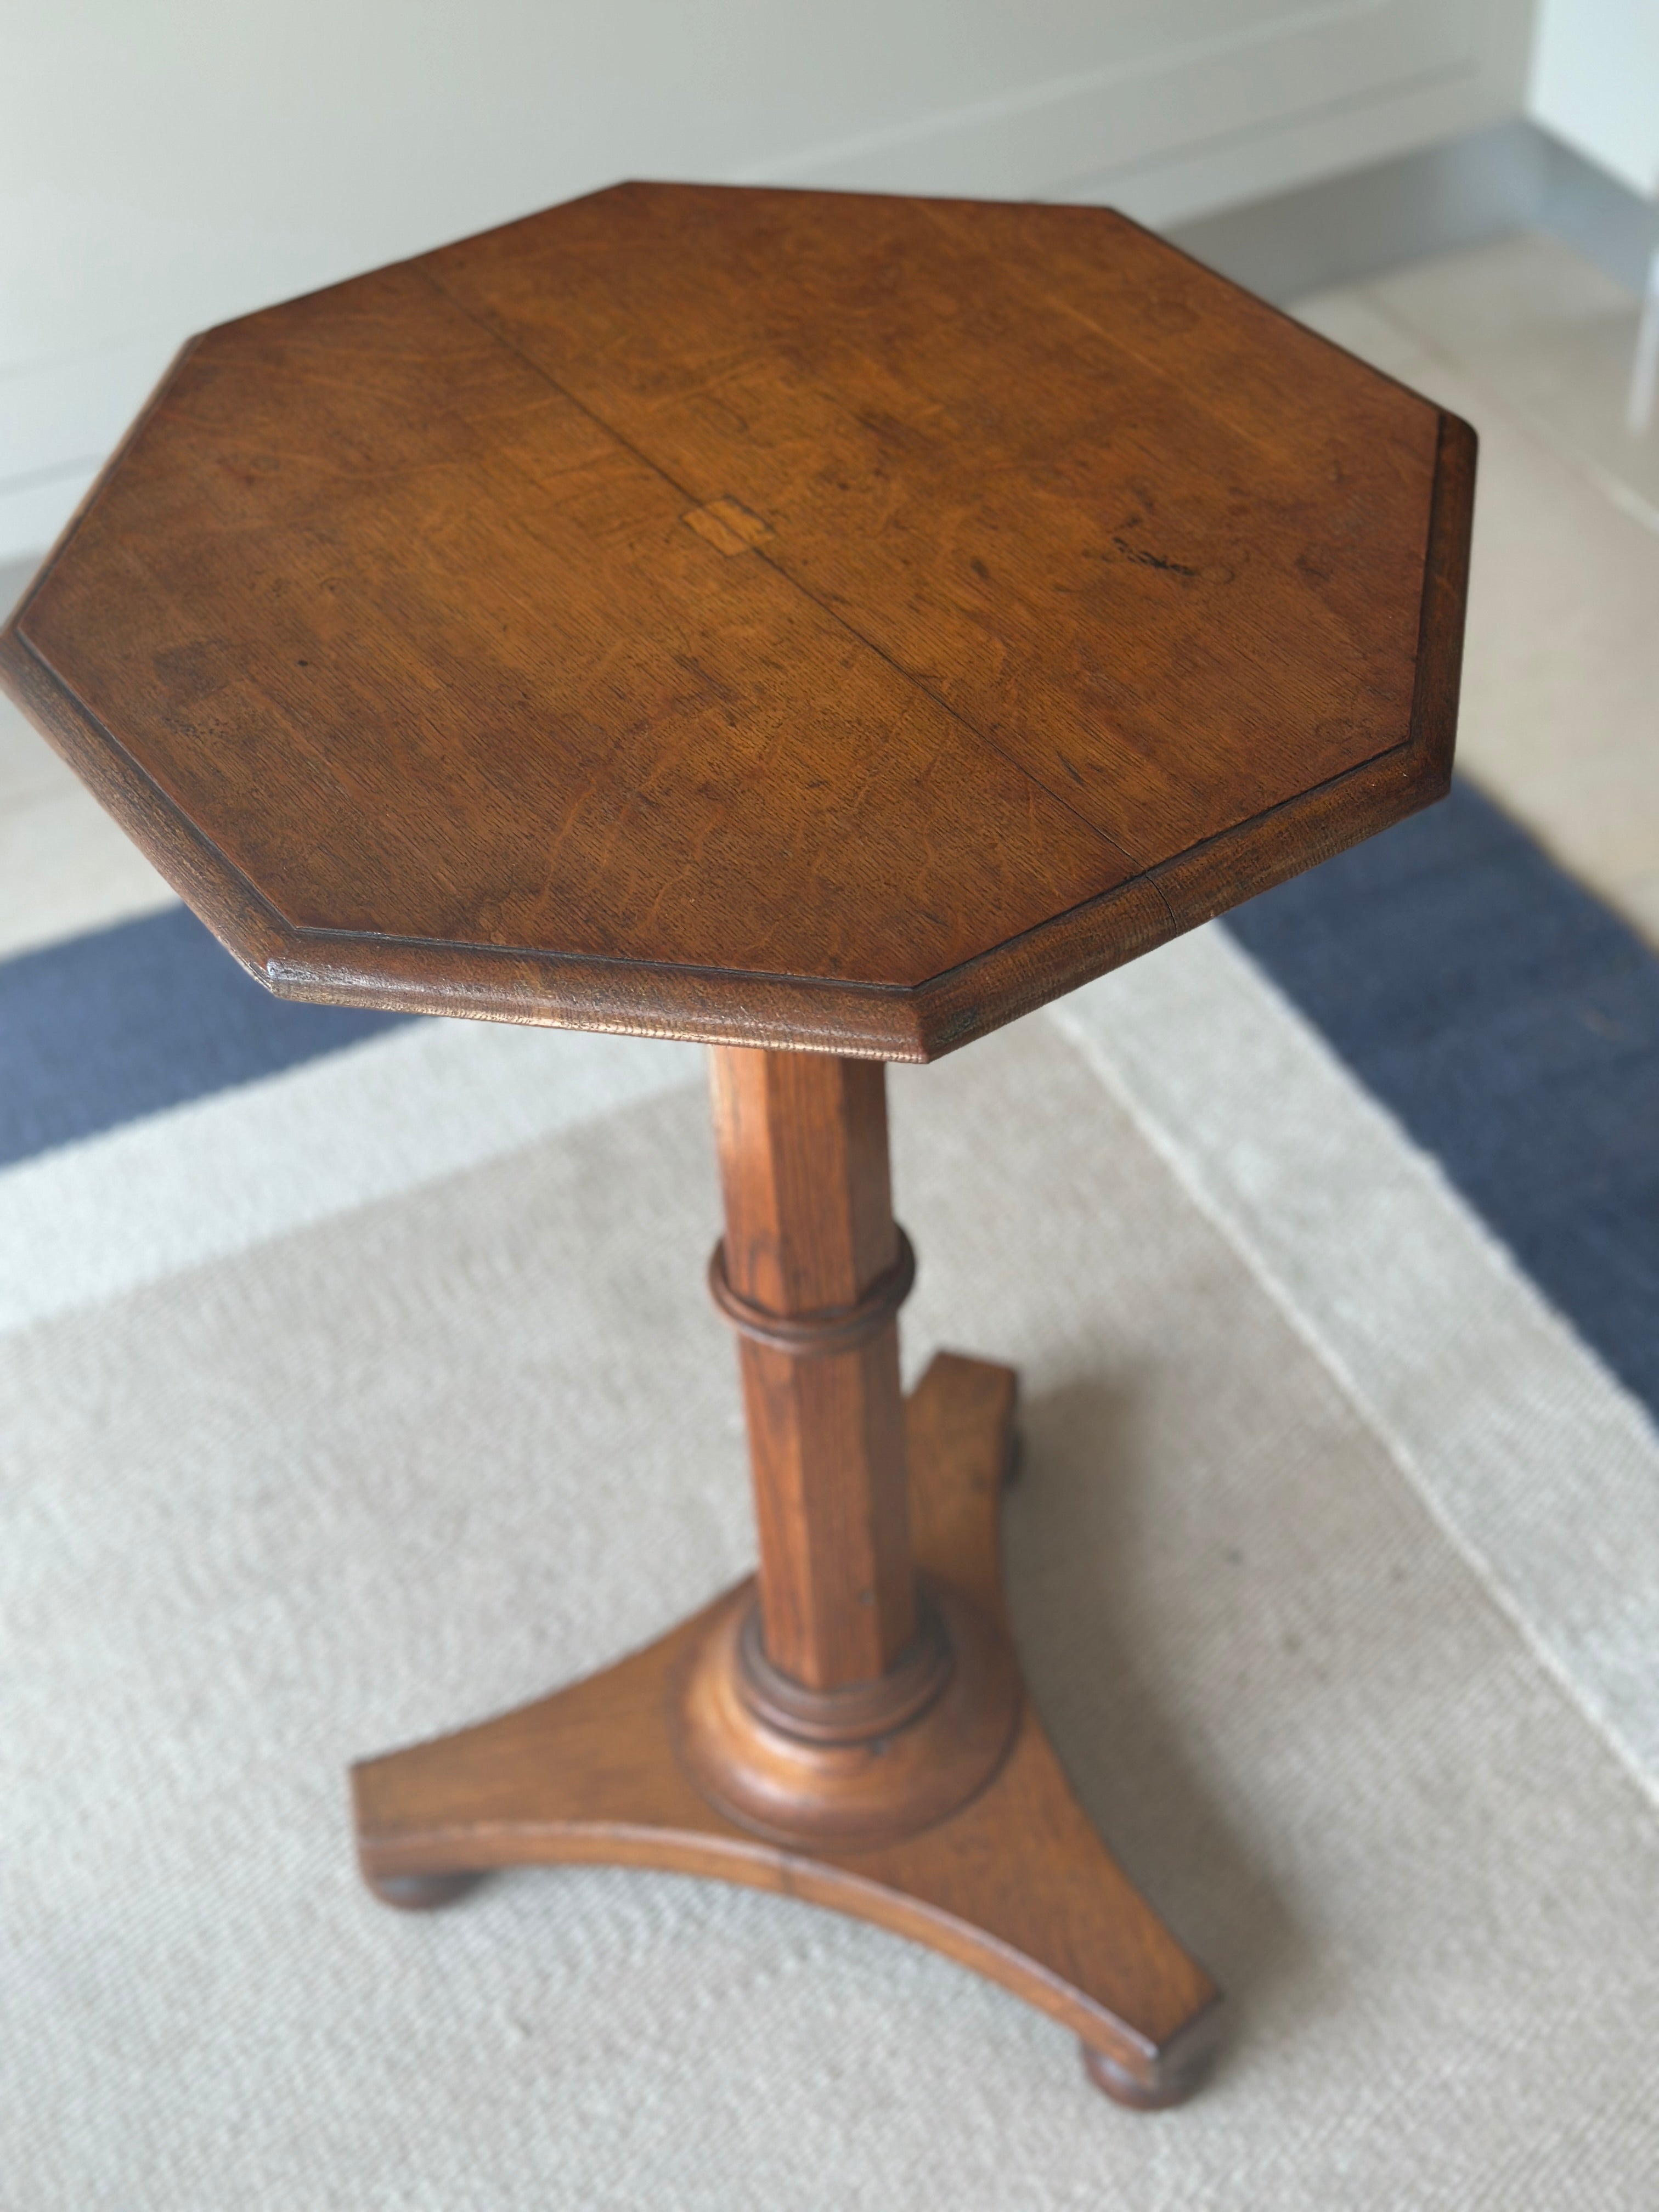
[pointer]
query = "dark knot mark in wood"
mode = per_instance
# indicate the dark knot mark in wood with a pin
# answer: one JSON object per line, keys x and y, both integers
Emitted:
{"x": 834, "y": 1328}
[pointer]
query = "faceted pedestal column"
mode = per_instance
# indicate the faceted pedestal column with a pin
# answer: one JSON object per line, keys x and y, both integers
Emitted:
{"x": 849, "y": 1725}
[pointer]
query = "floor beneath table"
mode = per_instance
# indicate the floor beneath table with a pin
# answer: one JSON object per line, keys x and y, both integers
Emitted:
{"x": 421, "y": 1460}
{"x": 1561, "y": 673}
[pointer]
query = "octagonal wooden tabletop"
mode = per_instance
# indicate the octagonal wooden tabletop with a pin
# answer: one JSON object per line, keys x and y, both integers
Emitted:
{"x": 790, "y": 618}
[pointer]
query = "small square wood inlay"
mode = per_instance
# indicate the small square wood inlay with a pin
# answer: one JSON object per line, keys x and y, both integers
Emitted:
{"x": 728, "y": 525}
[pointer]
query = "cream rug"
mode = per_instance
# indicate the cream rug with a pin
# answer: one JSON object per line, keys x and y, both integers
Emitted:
{"x": 328, "y": 1486}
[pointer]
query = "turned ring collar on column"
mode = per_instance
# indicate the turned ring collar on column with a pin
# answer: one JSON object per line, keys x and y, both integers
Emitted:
{"x": 810, "y": 1336}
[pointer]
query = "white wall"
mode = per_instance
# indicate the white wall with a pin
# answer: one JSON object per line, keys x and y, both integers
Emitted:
{"x": 166, "y": 164}
{"x": 1596, "y": 83}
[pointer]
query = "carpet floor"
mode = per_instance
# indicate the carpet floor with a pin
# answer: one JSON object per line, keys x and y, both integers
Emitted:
{"x": 435, "y": 1416}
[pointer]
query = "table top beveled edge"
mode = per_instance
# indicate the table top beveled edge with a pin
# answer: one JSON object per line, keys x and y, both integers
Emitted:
{"x": 702, "y": 1006}
{"x": 918, "y": 1022}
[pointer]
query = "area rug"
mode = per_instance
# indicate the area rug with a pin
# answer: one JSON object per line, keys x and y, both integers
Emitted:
{"x": 356, "y": 1383}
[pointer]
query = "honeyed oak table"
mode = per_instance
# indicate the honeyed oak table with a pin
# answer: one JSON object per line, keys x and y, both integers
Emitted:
{"x": 826, "y": 626}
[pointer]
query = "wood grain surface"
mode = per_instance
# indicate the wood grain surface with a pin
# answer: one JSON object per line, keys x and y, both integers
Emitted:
{"x": 806, "y": 619}
{"x": 809, "y": 1227}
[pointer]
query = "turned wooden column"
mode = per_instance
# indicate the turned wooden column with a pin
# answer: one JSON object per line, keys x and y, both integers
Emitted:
{"x": 842, "y": 1698}
{"x": 812, "y": 1272}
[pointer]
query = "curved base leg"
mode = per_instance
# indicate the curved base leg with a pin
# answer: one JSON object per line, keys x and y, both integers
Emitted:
{"x": 1015, "y": 1884}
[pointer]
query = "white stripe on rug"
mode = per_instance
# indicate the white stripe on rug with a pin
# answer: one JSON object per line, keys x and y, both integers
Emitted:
{"x": 211, "y": 1177}
{"x": 1541, "y": 1467}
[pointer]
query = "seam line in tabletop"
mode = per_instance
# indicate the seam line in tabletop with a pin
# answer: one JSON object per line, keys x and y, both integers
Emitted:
{"x": 686, "y": 492}
{"x": 1153, "y": 878}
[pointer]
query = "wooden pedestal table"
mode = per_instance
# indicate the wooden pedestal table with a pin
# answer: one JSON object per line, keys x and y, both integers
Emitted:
{"x": 827, "y": 628}
{"x": 849, "y": 1726}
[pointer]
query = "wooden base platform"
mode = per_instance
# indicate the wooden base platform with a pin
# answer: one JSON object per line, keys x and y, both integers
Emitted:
{"x": 1014, "y": 1883}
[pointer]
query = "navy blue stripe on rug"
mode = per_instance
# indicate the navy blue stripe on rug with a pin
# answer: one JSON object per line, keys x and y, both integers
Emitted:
{"x": 100, "y": 1029}
{"x": 1511, "y": 1023}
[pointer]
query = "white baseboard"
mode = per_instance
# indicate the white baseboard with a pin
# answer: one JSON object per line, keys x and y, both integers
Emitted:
{"x": 1179, "y": 133}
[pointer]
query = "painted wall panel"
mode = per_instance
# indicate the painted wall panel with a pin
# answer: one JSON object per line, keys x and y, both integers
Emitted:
{"x": 1596, "y": 83}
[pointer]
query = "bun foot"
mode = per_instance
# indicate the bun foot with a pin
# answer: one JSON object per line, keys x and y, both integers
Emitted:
{"x": 1160, "y": 2078}
{"x": 421, "y": 1893}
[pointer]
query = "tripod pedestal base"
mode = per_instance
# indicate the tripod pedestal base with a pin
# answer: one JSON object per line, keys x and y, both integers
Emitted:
{"x": 1014, "y": 1883}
